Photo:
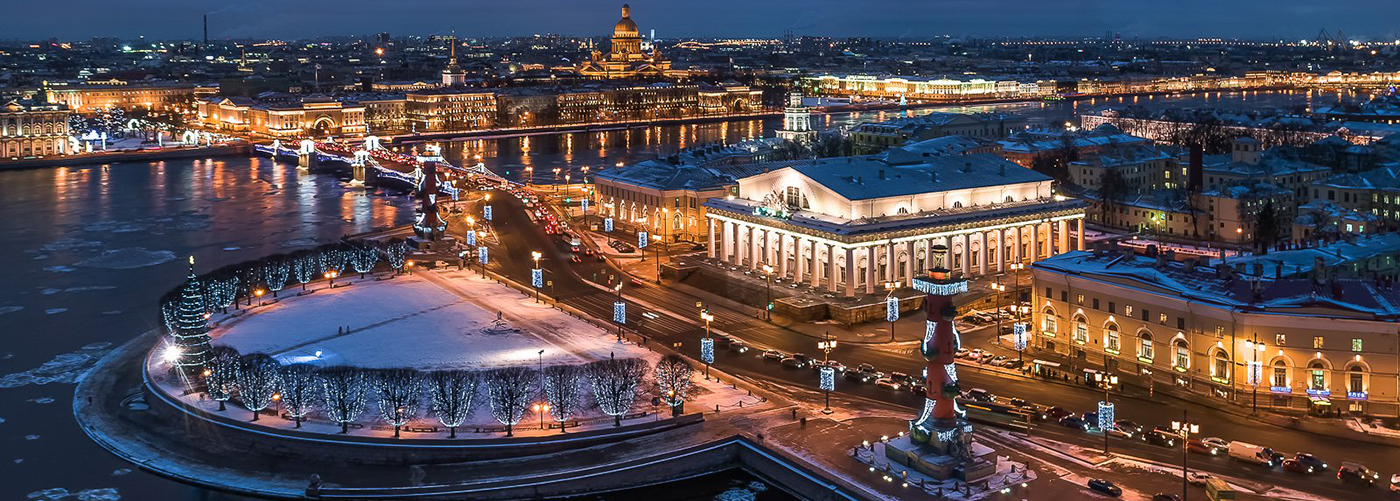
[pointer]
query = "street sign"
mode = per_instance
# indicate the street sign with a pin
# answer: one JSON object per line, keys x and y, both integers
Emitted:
{"x": 620, "y": 312}
{"x": 486, "y": 212}
{"x": 537, "y": 278}
{"x": 481, "y": 254}
{"x": 641, "y": 239}
{"x": 471, "y": 237}
{"x": 607, "y": 225}
{"x": 891, "y": 309}
{"x": 1018, "y": 335}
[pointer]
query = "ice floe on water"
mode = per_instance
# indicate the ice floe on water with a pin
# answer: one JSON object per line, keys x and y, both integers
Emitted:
{"x": 55, "y": 311}
{"x": 300, "y": 242}
{"x": 41, "y": 400}
{"x": 128, "y": 258}
{"x": 737, "y": 494}
{"x": 51, "y": 291}
{"x": 121, "y": 471}
{"x": 66, "y": 368}
{"x": 60, "y": 269}
{"x": 116, "y": 227}
{"x": 112, "y": 312}
{"x": 64, "y": 244}
{"x": 31, "y": 437}
{"x": 41, "y": 257}
{"x": 59, "y": 493}
{"x": 232, "y": 248}
{"x": 10, "y": 309}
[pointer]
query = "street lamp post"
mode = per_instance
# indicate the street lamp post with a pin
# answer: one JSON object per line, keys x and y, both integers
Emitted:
{"x": 536, "y": 256}
{"x": 768, "y": 292}
{"x": 707, "y": 317}
{"x": 529, "y": 177}
{"x": 826, "y": 346}
{"x": 1107, "y": 382}
{"x": 621, "y": 319}
{"x": 541, "y": 409}
{"x": 665, "y": 234}
{"x": 891, "y": 287}
{"x": 1256, "y": 372}
{"x": 998, "y": 288}
{"x": 1185, "y": 429}
{"x": 556, "y": 180}
{"x": 398, "y": 418}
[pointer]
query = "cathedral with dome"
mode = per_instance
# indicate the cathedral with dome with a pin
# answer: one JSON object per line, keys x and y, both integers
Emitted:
{"x": 626, "y": 57}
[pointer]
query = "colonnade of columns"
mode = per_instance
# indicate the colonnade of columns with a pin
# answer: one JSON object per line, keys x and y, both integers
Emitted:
{"x": 815, "y": 260}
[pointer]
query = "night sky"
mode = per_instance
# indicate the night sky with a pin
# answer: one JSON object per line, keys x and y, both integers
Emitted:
{"x": 290, "y": 19}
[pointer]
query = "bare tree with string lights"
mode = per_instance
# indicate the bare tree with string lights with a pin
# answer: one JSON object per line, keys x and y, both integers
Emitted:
{"x": 258, "y": 380}
{"x": 364, "y": 259}
{"x": 345, "y": 389}
{"x": 563, "y": 391}
{"x": 299, "y": 389}
{"x": 305, "y": 268}
{"x": 615, "y": 382}
{"x": 397, "y": 393}
{"x": 673, "y": 380}
{"x": 508, "y": 390}
{"x": 221, "y": 381}
{"x": 275, "y": 274}
{"x": 397, "y": 255}
{"x": 452, "y": 394}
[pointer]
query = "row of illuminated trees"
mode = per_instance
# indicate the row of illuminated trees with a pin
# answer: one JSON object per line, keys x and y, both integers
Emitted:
{"x": 346, "y": 395}
{"x": 232, "y": 285}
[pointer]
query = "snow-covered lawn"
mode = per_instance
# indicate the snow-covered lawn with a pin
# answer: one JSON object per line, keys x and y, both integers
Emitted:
{"x": 441, "y": 321}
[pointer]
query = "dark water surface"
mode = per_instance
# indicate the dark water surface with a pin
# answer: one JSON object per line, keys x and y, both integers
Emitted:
{"x": 86, "y": 251}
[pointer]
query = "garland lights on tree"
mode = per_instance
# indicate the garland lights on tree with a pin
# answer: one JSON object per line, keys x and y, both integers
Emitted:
{"x": 299, "y": 390}
{"x": 397, "y": 392}
{"x": 190, "y": 349}
{"x": 673, "y": 380}
{"x": 345, "y": 389}
{"x": 508, "y": 390}
{"x": 397, "y": 255}
{"x": 563, "y": 391}
{"x": 275, "y": 274}
{"x": 451, "y": 394}
{"x": 259, "y": 378}
{"x": 221, "y": 376}
{"x": 364, "y": 259}
{"x": 615, "y": 382}
{"x": 305, "y": 268}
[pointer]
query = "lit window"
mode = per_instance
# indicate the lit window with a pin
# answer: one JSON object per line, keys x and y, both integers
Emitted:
{"x": 1356, "y": 344}
{"x": 1279, "y": 339}
{"x": 1110, "y": 339}
{"x": 1317, "y": 377}
{"x": 1317, "y": 342}
{"x": 1280, "y": 374}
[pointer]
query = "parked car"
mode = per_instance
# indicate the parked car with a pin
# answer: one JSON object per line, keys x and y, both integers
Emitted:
{"x": 1105, "y": 487}
{"x": 738, "y": 347}
{"x": 1057, "y": 413}
{"x": 1357, "y": 474}
{"x": 1074, "y": 422}
{"x": 1163, "y": 496}
{"x": 1217, "y": 442}
{"x": 1198, "y": 477}
{"x": 890, "y": 383}
{"x": 961, "y": 353}
{"x": 975, "y": 354}
{"x": 1311, "y": 460}
{"x": 1129, "y": 426}
{"x": 1120, "y": 432}
{"x": 1012, "y": 364}
{"x": 1296, "y": 466}
{"x": 997, "y": 360}
{"x": 1395, "y": 483}
{"x": 1156, "y": 437}
{"x": 774, "y": 355}
{"x": 986, "y": 357}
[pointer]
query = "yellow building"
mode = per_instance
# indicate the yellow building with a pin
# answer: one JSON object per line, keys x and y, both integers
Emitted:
{"x": 97, "y": 96}
{"x": 625, "y": 57}
{"x": 312, "y": 116}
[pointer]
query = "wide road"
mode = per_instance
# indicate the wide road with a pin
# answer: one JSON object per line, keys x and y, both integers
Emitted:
{"x": 519, "y": 236}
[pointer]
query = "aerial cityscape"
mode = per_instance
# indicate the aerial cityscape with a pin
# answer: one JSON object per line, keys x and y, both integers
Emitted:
{"x": 658, "y": 251}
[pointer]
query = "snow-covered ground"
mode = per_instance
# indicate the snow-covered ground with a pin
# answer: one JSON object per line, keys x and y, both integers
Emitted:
{"x": 431, "y": 320}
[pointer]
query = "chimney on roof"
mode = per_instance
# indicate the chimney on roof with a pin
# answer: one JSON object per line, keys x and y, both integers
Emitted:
{"x": 967, "y": 166}
{"x": 1319, "y": 270}
{"x": 1002, "y": 172}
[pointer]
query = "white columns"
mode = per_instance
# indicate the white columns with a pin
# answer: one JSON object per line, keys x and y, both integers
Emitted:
{"x": 752, "y": 247}
{"x": 1064, "y": 236}
{"x": 870, "y": 269}
{"x": 815, "y": 264}
{"x": 710, "y": 252}
{"x": 1020, "y": 256}
{"x": 891, "y": 266}
{"x": 797, "y": 267}
{"x": 850, "y": 272}
{"x": 966, "y": 254}
{"x": 983, "y": 255}
{"x": 781, "y": 248}
{"x": 909, "y": 264}
{"x": 1035, "y": 242}
{"x": 1080, "y": 223}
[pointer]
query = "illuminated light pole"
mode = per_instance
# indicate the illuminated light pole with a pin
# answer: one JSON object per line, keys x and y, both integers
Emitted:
{"x": 891, "y": 306}
{"x": 768, "y": 292}
{"x": 707, "y": 345}
{"x": 828, "y": 374}
{"x": 1107, "y": 382}
{"x": 556, "y": 180}
{"x": 259, "y": 293}
{"x": 398, "y": 418}
{"x": 665, "y": 233}
{"x": 536, "y": 275}
{"x": 529, "y": 177}
{"x": 1185, "y": 429}
{"x": 1256, "y": 371}
{"x": 619, "y": 309}
{"x": 330, "y": 278}
{"x": 998, "y": 288}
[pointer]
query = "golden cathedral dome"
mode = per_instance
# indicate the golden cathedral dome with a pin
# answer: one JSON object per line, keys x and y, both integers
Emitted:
{"x": 625, "y": 27}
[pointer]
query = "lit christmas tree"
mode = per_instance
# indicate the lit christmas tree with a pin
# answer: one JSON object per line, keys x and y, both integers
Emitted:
{"x": 191, "y": 334}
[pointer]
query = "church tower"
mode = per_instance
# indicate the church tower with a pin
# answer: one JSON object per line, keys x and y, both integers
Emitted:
{"x": 797, "y": 120}
{"x": 453, "y": 74}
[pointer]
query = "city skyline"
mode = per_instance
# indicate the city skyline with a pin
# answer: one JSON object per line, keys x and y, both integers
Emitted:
{"x": 1283, "y": 20}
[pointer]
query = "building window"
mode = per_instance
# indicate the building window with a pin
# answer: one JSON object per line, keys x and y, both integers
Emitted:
{"x": 1127, "y": 309}
{"x": 1081, "y": 299}
{"x": 1047, "y": 292}
{"x": 1110, "y": 339}
{"x": 1081, "y": 331}
{"x": 1049, "y": 326}
{"x": 1356, "y": 344}
{"x": 1354, "y": 383}
{"x": 1220, "y": 332}
{"x": 1162, "y": 318}
{"x": 1317, "y": 377}
{"x": 1112, "y": 308}
{"x": 1317, "y": 342}
{"x": 1145, "y": 347}
{"x": 1096, "y": 303}
{"x": 1220, "y": 370}
{"x": 1182, "y": 355}
{"x": 1280, "y": 339}
{"x": 1280, "y": 374}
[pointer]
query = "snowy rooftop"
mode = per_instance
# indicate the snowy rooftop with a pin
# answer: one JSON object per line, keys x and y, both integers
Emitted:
{"x": 427, "y": 322}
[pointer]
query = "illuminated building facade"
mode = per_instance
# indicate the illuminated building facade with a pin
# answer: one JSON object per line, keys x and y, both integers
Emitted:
{"x": 626, "y": 57}
{"x": 33, "y": 130}
{"x": 450, "y": 109}
{"x": 94, "y": 97}
{"x": 311, "y": 116}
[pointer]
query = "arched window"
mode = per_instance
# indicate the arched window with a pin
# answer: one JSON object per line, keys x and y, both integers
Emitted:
{"x": 1010, "y": 199}
{"x": 1181, "y": 355}
{"x": 1110, "y": 339}
{"x": 1145, "y": 346}
{"x": 1280, "y": 374}
{"x": 1081, "y": 331}
{"x": 1048, "y": 325}
{"x": 957, "y": 205}
{"x": 1355, "y": 381}
{"x": 1220, "y": 369}
{"x": 902, "y": 210}
{"x": 1317, "y": 376}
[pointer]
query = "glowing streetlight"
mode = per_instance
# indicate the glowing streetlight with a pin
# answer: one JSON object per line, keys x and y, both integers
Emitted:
{"x": 171, "y": 354}
{"x": 541, "y": 409}
{"x": 767, "y": 292}
{"x": 1184, "y": 429}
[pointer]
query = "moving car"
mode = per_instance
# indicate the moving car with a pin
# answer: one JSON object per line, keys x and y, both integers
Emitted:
{"x": 902, "y": 378}
{"x": 1162, "y": 496}
{"x": 1129, "y": 426}
{"x": 793, "y": 363}
{"x": 1105, "y": 487}
{"x": 1120, "y": 432}
{"x": 1199, "y": 446}
{"x": 1395, "y": 483}
{"x": 1251, "y": 453}
{"x": 1156, "y": 437}
{"x": 1310, "y": 460}
{"x": 738, "y": 347}
{"x": 834, "y": 365}
{"x": 1296, "y": 466}
{"x": 1357, "y": 474}
{"x": 1216, "y": 442}
{"x": 773, "y": 355}
{"x": 865, "y": 373}
{"x": 981, "y": 395}
{"x": 890, "y": 383}
{"x": 1057, "y": 413}
{"x": 1074, "y": 422}
{"x": 1197, "y": 477}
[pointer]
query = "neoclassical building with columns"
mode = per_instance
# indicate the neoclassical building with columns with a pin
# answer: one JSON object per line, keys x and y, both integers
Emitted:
{"x": 851, "y": 224}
